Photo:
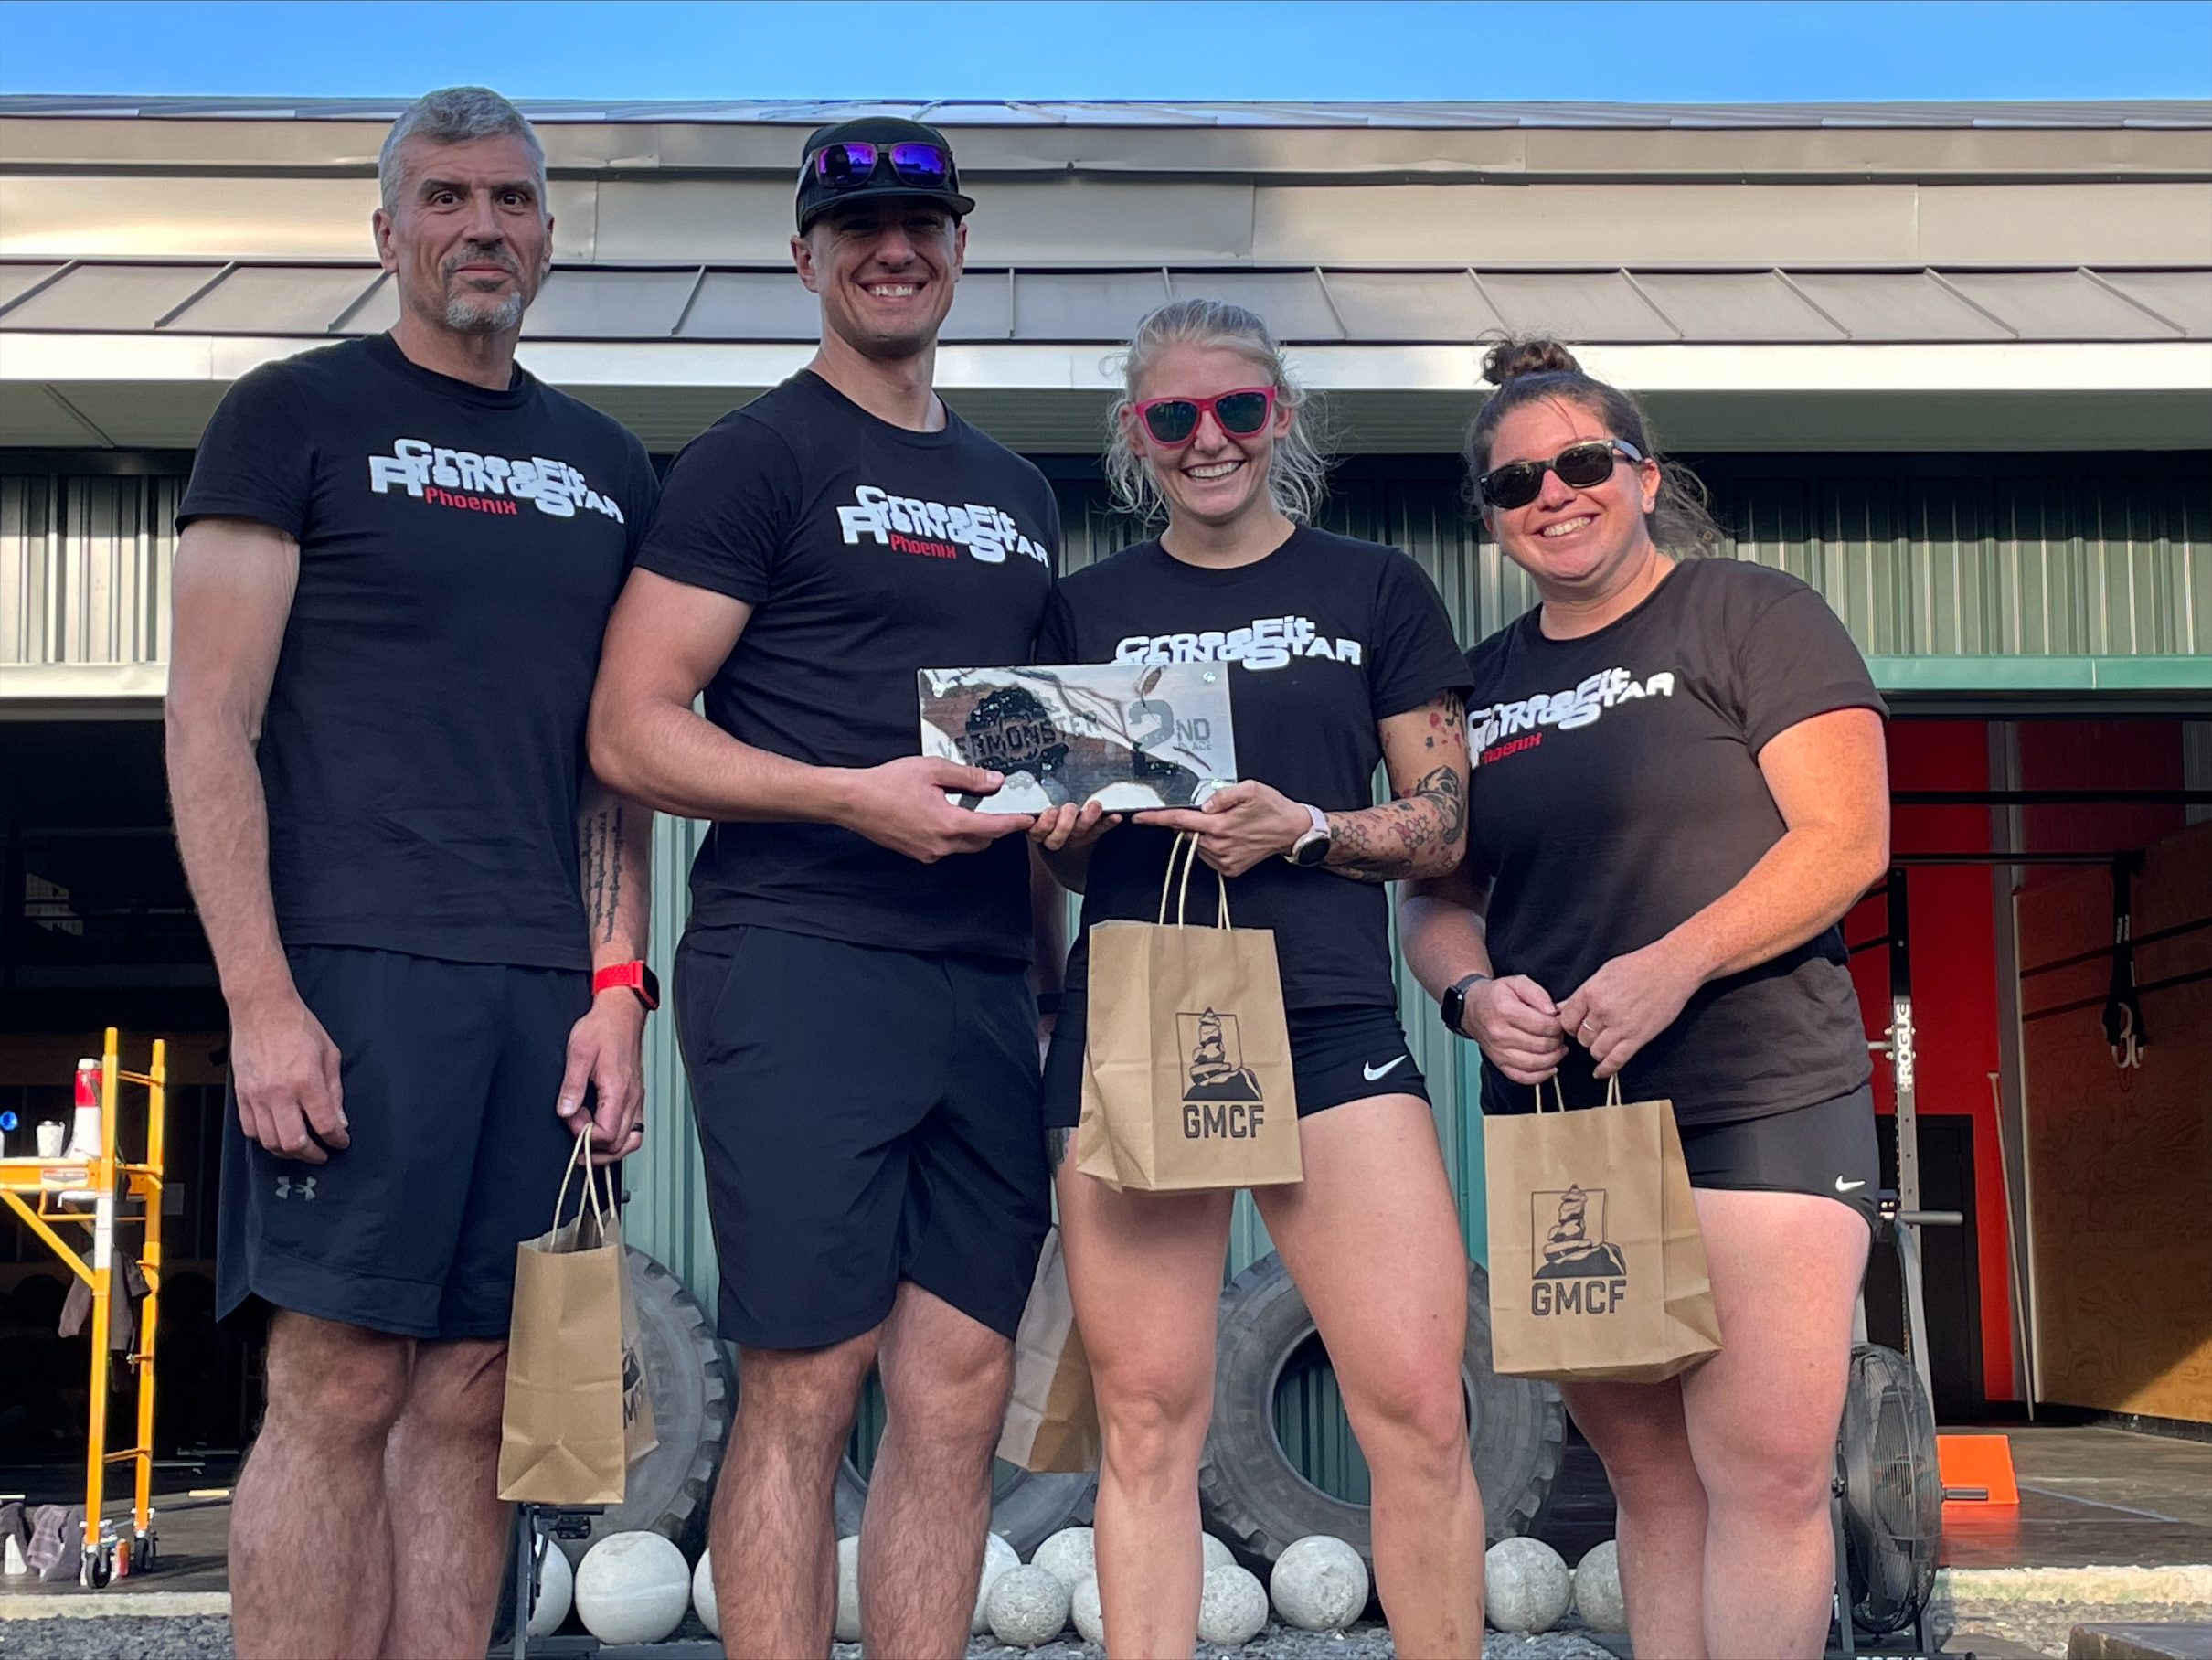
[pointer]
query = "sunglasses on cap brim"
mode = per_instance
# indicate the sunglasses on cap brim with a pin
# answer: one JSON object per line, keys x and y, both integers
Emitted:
{"x": 849, "y": 165}
{"x": 1174, "y": 422}
{"x": 1581, "y": 465}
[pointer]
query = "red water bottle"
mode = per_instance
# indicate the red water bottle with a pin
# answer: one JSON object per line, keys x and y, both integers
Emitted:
{"x": 84, "y": 1137}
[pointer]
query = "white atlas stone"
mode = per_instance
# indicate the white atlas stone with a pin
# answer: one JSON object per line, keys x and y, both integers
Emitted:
{"x": 1525, "y": 1585}
{"x": 1070, "y": 1554}
{"x": 1598, "y": 1597}
{"x": 1215, "y": 1554}
{"x": 702, "y": 1593}
{"x": 1232, "y": 1606}
{"x": 998, "y": 1556}
{"x": 632, "y": 1588}
{"x": 556, "y": 1592}
{"x": 1320, "y": 1584}
{"x": 1029, "y": 1605}
{"x": 1084, "y": 1610}
{"x": 848, "y": 1589}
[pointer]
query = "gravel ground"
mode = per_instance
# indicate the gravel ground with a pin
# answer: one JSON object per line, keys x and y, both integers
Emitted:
{"x": 127, "y": 1637}
{"x": 119, "y": 1637}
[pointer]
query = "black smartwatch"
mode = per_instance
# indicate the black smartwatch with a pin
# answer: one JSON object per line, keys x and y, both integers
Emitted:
{"x": 1452, "y": 1004}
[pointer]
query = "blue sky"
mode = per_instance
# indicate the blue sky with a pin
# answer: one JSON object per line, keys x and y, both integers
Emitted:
{"x": 1731, "y": 50}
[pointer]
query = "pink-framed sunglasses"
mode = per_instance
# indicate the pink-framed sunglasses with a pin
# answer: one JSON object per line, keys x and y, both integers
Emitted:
{"x": 1174, "y": 422}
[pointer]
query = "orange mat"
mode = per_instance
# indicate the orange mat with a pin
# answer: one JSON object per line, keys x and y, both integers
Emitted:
{"x": 1978, "y": 1461}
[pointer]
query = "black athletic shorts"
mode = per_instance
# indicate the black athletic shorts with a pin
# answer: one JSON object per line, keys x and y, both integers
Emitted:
{"x": 1337, "y": 1055}
{"x": 1827, "y": 1148}
{"x": 449, "y": 1072}
{"x": 868, "y": 1116}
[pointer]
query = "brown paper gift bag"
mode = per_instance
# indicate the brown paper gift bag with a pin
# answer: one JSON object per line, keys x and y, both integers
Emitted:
{"x": 1596, "y": 1263}
{"x": 1187, "y": 1061}
{"x": 579, "y": 1413}
{"x": 1052, "y": 1418}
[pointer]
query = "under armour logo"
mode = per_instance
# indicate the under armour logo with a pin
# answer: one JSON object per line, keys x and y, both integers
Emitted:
{"x": 304, "y": 1186}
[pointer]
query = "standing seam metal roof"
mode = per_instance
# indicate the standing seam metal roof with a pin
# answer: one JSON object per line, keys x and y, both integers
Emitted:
{"x": 1308, "y": 305}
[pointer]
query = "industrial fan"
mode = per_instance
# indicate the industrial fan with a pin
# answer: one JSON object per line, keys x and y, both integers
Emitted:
{"x": 1889, "y": 1506}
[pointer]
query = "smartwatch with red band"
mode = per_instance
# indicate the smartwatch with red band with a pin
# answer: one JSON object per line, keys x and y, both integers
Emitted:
{"x": 641, "y": 982}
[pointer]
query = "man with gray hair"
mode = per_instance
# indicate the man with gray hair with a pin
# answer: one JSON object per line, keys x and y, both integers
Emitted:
{"x": 397, "y": 559}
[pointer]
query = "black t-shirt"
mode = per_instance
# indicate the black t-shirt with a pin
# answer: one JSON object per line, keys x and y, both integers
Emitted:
{"x": 460, "y": 549}
{"x": 1617, "y": 792}
{"x": 1320, "y": 640}
{"x": 868, "y": 552}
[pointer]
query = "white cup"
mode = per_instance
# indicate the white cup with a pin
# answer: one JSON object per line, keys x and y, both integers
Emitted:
{"x": 50, "y": 1135}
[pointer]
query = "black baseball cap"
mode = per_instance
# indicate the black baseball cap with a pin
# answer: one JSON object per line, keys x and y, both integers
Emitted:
{"x": 815, "y": 197}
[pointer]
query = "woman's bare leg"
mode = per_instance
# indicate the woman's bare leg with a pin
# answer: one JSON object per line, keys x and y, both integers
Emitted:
{"x": 1372, "y": 1239}
{"x": 1145, "y": 1272}
{"x": 1761, "y": 1415}
{"x": 1660, "y": 1525}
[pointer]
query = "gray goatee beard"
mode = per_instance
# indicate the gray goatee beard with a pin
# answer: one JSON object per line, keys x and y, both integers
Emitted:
{"x": 468, "y": 315}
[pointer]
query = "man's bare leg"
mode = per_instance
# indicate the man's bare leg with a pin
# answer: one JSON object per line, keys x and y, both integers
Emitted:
{"x": 945, "y": 1377}
{"x": 311, "y": 1571}
{"x": 441, "y": 1488}
{"x": 774, "y": 1532}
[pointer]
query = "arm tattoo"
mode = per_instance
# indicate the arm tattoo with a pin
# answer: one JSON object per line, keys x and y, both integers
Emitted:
{"x": 601, "y": 845}
{"x": 1401, "y": 837}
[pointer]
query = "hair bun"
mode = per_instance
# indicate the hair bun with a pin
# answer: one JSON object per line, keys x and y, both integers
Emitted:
{"x": 1510, "y": 359}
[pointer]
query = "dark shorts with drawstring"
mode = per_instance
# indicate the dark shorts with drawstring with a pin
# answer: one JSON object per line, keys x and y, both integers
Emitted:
{"x": 449, "y": 1073}
{"x": 866, "y": 1116}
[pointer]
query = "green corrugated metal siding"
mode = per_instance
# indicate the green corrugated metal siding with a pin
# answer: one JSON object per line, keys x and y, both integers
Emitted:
{"x": 666, "y": 1215}
{"x": 84, "y": 569}
{"x": 1989, "y": 567}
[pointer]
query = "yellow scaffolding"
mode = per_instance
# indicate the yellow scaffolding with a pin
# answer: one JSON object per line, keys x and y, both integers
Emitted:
{"x": 112, "y": 1183}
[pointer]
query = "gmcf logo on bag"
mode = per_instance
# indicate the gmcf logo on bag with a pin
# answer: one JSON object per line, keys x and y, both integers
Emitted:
{"x": 1221, "y": 1096}
{"x": 1579, "y": 1270}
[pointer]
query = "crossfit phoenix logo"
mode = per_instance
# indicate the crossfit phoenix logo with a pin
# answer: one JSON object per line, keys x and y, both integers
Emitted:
{"x": 906, "y": 523}
{"x": 1579, "y": 1270}
{"x": 1221, "y": 1096}
{"x": 485, "y": 483}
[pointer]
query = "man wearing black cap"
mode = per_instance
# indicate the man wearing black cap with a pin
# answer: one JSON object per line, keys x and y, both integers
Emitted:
{"x": 852, "y": 990}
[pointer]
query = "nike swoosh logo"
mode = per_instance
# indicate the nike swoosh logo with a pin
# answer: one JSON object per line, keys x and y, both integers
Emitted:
{"x": 1372, "y": 1073}
{"x": 1844, "y": 1186}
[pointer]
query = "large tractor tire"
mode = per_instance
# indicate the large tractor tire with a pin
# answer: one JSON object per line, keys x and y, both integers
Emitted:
{"x": 1256, "y": 1498}
{"x": 694, "y": 1393}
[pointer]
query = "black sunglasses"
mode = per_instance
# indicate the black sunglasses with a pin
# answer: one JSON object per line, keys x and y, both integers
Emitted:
{"x": 851, "y": 165}
{"x": 1592, "y": 461}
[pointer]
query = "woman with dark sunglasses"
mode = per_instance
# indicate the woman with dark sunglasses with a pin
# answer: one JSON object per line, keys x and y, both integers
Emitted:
{"x": 1338, "y": 656}
{"x": 1679, "y": 787}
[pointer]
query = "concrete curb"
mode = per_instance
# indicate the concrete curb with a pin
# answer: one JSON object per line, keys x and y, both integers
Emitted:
{"x": 105, "y": 1604}
{"x": 2040, "y": 1607}
{"x": 2016, "y": 1587}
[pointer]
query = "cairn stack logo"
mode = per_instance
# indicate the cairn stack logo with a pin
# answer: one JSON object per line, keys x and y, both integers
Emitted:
{"x": 1221, "y": 1096}
{"x": 1579, "y": 1270}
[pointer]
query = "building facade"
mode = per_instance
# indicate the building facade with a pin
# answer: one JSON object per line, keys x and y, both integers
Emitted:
{"x": 1951, "y": 365}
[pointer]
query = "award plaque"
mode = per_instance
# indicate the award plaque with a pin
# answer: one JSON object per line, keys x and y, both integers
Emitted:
{"x": 1126, "y": 735}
